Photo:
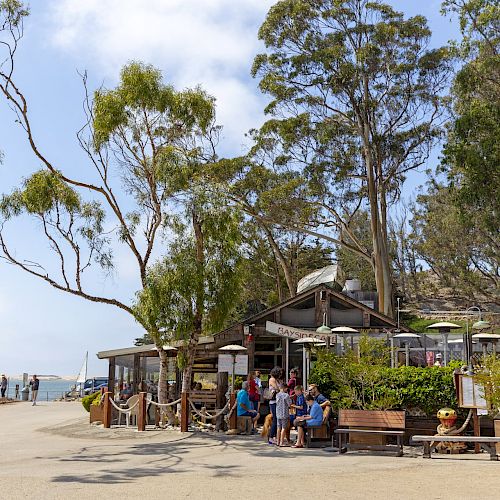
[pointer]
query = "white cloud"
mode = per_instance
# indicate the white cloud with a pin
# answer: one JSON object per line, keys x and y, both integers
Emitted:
{"x": 207, "y": 42}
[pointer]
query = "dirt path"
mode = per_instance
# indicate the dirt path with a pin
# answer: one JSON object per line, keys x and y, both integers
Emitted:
{"x": 49, "y": 451}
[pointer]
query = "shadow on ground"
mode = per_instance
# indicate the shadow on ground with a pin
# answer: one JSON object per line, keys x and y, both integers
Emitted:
{"x": 187, "y": 454}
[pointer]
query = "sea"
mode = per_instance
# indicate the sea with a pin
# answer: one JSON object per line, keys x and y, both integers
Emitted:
{"x": 48, "y": 390}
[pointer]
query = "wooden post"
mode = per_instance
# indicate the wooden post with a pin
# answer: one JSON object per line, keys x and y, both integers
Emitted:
{"x": 233, "y": 421}
{"x": 111, "y": 376}
{"x": 157, "y": 416}
{"x": 107, "y": 410}
{"x": 184, "y": 412}
{"x": 222, "y": 386}
{"x": 141, "y": 414}
{"x": 477, "y": 430}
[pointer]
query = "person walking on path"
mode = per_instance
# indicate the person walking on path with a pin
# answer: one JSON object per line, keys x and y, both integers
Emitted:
{"x": 34, "y": 383}
{"x": 3, "y": 386}
{"x": 283, "y": 402}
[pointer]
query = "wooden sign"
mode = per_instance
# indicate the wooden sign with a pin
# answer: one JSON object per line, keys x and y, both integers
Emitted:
{"x": 296, "y": 333}
{"x": 471, "y": 394}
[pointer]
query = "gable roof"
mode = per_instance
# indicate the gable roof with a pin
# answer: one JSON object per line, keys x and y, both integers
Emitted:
{"x": 310, "y": 292}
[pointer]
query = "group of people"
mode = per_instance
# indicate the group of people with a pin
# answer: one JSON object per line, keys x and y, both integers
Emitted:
{"x": 289, "y": 404}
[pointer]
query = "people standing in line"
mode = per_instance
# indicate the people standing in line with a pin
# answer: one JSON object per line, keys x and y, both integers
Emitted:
{"x": 258, "y": 381}
{"x": 314, "y": 418}
{"x": 292, "y": 382}
{"x": 34, "y": 384}
{"x": 299, "y": 405}
{"x": 253, "y": 392}
{"x": 283, "y": 403}
{"x": 275, "y": 380}
{"x": 3, "y": 386}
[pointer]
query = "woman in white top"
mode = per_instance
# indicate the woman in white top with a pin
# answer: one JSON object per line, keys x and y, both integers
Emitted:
{"x": 275, "y": 380}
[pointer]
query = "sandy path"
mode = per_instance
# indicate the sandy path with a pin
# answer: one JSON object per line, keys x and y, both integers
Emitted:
{"x": 49, "y": 451}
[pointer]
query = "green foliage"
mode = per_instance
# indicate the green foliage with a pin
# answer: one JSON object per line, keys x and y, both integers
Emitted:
{"x": 489, "y": 376}
{"x": 368, "y": 383}
{"x": 470, "y": 261}
{"x": 12, "y": 14}
{"x": 88, "y": 400}
{"x": 472, "y": 152}
{"x": 357, "y": 102}
{"x": 178, "y": 284}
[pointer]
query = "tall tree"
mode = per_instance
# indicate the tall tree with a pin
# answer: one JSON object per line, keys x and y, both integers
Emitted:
{"x": 459, "y": 250}
{"x": 136, "y": 136}
{"x": 357, "y": 104}
{"x": 196, "y": 286}
{"x": 472, "y": 151}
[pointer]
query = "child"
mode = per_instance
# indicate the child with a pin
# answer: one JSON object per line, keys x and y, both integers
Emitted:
{"x": 283, "y": 402}
{"x": 299, "y": 406}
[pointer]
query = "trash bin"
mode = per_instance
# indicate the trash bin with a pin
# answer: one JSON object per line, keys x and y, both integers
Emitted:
{"x": 25, "y": 393}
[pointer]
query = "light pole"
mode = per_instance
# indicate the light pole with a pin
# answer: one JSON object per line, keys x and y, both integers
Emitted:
{"x": 444, "y": 328}
{"x": 342, "y": 330}
{"x": 234, "y": 350}
{"x": 307, "y": 343}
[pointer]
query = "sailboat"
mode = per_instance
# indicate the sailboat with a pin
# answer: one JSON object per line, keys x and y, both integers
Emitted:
{"x": 82, "y": 376}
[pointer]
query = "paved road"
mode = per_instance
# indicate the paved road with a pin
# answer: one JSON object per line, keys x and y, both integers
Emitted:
{"x": 50, "y": 452}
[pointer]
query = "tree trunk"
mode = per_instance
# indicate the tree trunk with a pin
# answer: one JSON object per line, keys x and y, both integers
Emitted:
{"x": 199, "y": 304}
{"x": 162, "y": 382}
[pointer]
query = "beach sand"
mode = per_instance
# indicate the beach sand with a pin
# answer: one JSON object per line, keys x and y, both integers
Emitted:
{"x": 50, "y": 452}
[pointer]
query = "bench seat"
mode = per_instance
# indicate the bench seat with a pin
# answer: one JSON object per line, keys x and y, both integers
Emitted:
{"x": 371, "y": 422}
{"x": 486, "y": 442}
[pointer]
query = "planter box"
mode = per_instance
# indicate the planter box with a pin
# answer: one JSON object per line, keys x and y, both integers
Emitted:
{"x": 96, "y": 413}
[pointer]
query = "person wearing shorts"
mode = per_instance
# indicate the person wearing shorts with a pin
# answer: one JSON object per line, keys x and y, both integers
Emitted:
{"x": 283, "y": 402}
{"x": 245, "y": 407}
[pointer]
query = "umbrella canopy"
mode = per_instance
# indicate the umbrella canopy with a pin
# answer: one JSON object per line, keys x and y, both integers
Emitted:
{"x": 486, "y": 337}
{"x": 233, "y": 348}
{"x": 344, "y": 329}
{"x": 406, "y": 336}
{"x": 309, "y": 341}
{"x": 444, "y": 325}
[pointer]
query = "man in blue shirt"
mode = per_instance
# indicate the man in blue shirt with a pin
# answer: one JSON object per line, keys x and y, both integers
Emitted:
{"x": 318, "y": 397}
{"x": 314, "y": 418}
{"x": 244, "y": 407}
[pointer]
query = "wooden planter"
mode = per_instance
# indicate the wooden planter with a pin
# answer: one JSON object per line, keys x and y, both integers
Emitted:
{"x": 96, "y": 413}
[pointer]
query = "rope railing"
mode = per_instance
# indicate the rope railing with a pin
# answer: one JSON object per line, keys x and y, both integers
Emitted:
{"x": 163, "y": 405}
{"x": 123, "y": 410}
{"x": 205, "y": 414}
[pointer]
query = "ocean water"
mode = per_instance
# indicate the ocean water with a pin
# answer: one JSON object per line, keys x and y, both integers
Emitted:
{"x": 48, "y": 390}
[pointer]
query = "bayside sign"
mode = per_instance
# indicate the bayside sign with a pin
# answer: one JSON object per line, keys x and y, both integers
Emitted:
{"x": 296, "y": 333}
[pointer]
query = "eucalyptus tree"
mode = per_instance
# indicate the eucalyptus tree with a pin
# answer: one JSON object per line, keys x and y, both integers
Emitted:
{"x": 472, "y": 151}
{"x": 136, "y": 135}
{"x": 357, "y": 103}
{"x": 195, "y": 287}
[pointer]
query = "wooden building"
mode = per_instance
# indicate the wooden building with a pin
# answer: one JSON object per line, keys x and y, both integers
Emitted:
{"x": 268, "y": 337}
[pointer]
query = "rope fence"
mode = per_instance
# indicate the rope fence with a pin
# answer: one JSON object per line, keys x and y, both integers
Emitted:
{"x": 121, "y": 409}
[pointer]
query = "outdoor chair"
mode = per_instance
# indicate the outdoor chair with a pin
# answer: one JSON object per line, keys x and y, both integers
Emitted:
{"x": 129, "y": 404}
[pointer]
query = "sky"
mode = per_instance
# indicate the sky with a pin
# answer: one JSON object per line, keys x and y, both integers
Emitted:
{"x": 210, "y": 43}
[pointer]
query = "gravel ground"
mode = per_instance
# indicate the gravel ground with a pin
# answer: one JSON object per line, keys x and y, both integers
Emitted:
{"x": 50, "y": 452}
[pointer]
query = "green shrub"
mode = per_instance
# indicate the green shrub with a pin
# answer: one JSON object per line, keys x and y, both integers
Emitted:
{"x": 367, "y": 383}
{"x": 87, "y": 400}
{"x": 97, "y": 400}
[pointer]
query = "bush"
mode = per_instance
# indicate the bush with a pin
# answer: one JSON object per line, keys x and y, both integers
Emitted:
{"x": 87, "y": 400}
{"x": 368, "y": 383}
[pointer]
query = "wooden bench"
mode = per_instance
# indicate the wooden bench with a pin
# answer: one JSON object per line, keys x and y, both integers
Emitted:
{"x": 318, "y": 431}
{"x": 371, "y": 422}
{"x": 488, "y": 443}
{"x": 207, "y": 398}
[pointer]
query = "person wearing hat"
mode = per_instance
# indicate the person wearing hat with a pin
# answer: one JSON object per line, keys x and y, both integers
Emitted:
{"x": 438, "y": 362}
{"x": 3, "y": 386}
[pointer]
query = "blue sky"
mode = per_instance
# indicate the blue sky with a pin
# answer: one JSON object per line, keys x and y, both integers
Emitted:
{"x": 211, "y": 43}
